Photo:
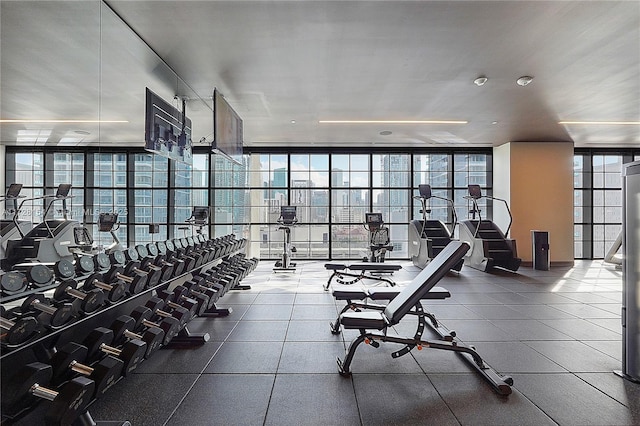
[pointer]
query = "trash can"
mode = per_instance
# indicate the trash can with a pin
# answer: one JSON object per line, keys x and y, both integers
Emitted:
{"x": 540, "y": 250}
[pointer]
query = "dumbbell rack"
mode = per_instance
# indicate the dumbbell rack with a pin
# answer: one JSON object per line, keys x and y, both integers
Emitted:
{"x": 41, "y": 348}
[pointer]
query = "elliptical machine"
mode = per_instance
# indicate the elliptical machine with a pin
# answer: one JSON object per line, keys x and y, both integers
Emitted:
{"x": 490, "y": 248}
{"x": 199, "y": 219}
{"x": 108, "y": 222}
{"x": 427, "y": 237}
{"x": 287, "y": 220}
{"x": 378, "y": 238}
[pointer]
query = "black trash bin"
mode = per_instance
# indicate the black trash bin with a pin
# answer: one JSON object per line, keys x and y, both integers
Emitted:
{"x": 540, "y": 251}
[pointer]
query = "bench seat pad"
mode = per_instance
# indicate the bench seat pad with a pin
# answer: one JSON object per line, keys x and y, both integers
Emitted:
{"x": 372, "y": 320}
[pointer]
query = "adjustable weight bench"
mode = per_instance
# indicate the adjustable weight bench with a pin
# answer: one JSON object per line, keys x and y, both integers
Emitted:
{"x": 347, "y": 278}
{"x": 408, "y": 301}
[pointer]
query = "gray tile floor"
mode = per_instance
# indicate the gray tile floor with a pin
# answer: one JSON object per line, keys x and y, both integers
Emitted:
{"x": 272, "y": 361}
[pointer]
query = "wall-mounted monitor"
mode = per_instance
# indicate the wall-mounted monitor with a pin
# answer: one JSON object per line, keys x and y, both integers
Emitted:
{"x": 167, "y": 130}
{"x": 227, "y": 130}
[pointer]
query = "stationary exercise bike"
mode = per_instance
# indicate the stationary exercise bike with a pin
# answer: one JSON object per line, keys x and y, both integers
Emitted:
{"x": 378, "y": 238}
{"x": 427, "y": 237}
{"x": 286, "y": 221}
{"x": 198, "y": 220}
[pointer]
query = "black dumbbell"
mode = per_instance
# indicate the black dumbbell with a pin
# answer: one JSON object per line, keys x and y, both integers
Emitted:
{"x": 101, "y": 261}
{"x": 90, "y": 301}
{"x": 84, "y": 265}
{"x": 158, "y": 264}
{"x": 117, "y": 257}
{"x": 49, "y": 315}
{"x": 64, "y": 269}
{"x": 40, "y": 275}
{"x": 99, "y": 341}
{"x": 197, "y": 289}
{"x": 170, "y": 325}
{"x": 153, "y": 275}
{"x": 178, "y": 312}
{"x": 19, "y": 330}
{"x": 184, "y": 296}
{"x": 178, "y": 299}
{"x": 123, "y": 327}
{"x": 68, "y": 403}
{"x": 69, "y": 359}
{"x": 13, "y": 282}
{"x": 137, "y": 282}
{"x": 131, "y": 254}
{"x": 114, "y": 291}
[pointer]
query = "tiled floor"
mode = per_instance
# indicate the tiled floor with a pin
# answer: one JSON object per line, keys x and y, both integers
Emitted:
{"x": 273, "y": 360}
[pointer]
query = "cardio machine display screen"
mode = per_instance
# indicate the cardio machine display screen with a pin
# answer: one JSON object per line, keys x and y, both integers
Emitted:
{"x": 373, "y": 218}
{"x": 475, "y": 191}
{"x": 106, "y": 221}
{"x": 14, "y": 190}
{"x": 288, "y": 212}
{"x": 425, "y": 190}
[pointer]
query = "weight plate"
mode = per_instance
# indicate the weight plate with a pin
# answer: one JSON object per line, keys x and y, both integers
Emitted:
{"x": 13, "y": 283}
{"x": 190, "y": 241}
{"x": 40, "y": 275}
{"x": 142, "y": 251}
{"x": 131, "y": 254}
{"x": 85, "y": 265}
{"x": 170, "y": 246}
{"x": 162, "y": 247}
{"x": 152, "y": 248}
{"x": 102, "y": 261}
{"x": 64, "y": 269}
{"x": 118, "y": 257}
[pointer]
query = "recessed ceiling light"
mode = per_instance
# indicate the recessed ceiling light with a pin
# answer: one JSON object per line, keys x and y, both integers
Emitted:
{"x": 64, "y": 121}
{"x": 293, "y": 121}
{"x": 524, "y": 80}
{"x": 494, "y": 122}
{"x": 605, "y": 123}
{"x": 81, "y": 132}
{"x": 392, "y": 122}
{"x": 480, "y": 81}
{"x": 386, "y": 132}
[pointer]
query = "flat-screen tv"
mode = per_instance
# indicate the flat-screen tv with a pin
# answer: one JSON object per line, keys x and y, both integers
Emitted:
{"x": 167, "y": 130}
{"x": 227, "y": 130}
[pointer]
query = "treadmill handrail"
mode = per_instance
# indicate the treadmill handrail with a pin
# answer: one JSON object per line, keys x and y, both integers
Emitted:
{"x": 17, "y": 213}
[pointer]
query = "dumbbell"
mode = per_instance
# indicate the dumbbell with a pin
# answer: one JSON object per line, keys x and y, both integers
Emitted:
{"x": 210, "y": 280}
{"x": 13, "y": 282}
{"x": 178, "y": 312}
{"x": 101, "y": 261}
{"x": 197, "y": 288}
{"x": 24, "y": 388}
{"x": 131, "y": 254}
{"x": 184, "y": 295}
{"x": 49, "y": 315}
{"x": 84, "y": 265}
{"x": 89, "y": 301}
{"x": 123, "y": 327}
{"x": 153, "y": 275}
{"x": 158, "y": 264}
{"x": 137, "y": 282}
{"x": 99, "y": 341}
{"x": 64, "y": 269}
{"x": 69, "y": 358}
{"x": 117, "y": 257}
{"x": 40, "y": 275}
{"x": 114, "y": 291}
{"x": 170, "y": 325}
{"x": 178, "y": 298}
{"x": 19, "y": 330}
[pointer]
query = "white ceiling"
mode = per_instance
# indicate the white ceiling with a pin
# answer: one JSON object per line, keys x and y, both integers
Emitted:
{"x": 278, "y": 61}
